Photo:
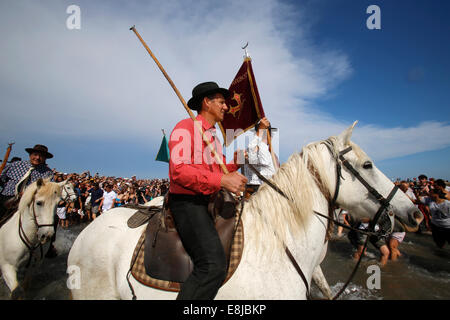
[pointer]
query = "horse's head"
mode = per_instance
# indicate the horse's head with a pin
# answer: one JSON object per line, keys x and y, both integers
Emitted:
{"x": 361, "y": 183}
{"x": 41, "y": 199}
{"x": 68, "y": 192}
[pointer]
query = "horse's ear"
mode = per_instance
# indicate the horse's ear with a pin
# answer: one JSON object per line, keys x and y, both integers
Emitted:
{"x": 345, "y": 136}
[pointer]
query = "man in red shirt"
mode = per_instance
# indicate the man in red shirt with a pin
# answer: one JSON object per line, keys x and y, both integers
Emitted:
{"x": 194, "y": 176}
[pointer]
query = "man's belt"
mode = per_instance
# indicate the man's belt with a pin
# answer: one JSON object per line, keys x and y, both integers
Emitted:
{"x": 199, "y": 198}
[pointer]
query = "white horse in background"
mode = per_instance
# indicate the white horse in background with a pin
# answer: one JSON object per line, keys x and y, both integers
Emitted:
{"x": 271, "y": 223}
{"x": 29, "y": 227}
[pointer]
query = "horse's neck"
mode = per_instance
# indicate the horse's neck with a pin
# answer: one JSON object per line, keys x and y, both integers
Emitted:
{"x": 307, "y": 241}
{"x": 311, "y": 233}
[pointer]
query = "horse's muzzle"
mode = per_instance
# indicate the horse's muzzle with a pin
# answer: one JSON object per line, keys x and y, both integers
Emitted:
{"x": 415, "y": 217}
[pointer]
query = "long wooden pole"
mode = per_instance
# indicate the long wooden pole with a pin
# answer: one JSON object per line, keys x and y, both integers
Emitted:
{"x": 189, "y": 111}
{"x": 8, "y": 151}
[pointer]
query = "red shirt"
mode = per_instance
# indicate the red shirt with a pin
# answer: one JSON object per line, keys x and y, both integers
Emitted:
{"x": 192, "y": 167}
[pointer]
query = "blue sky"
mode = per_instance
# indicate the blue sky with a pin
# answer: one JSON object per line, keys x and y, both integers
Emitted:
{"x": 97, "y": 100}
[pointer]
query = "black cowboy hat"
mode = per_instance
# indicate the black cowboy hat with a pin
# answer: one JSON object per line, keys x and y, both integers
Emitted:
{"x": 40, "y": 148}
{"x": 202, "y": 90}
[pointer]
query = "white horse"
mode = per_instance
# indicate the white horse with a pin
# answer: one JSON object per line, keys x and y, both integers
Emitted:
{"x": 102, "y": 252}
{"x": 30, "y": 226}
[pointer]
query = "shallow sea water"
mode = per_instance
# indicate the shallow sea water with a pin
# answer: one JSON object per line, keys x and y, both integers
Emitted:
{"x": 422, "y": 272}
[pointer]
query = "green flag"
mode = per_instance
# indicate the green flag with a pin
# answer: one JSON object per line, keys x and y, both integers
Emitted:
{"x": 163, "y": 153}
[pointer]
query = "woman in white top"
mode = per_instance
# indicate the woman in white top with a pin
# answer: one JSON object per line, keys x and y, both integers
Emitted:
{"x": 259, "y": 154}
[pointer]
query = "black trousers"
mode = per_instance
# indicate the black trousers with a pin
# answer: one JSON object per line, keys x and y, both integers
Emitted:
{"x": 201, "y": 241}
{"x": 440, "y": 235}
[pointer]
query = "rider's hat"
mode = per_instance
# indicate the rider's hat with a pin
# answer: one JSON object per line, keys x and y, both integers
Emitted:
{"x": 41, "y": 149}
{"x": 202, "y": 90}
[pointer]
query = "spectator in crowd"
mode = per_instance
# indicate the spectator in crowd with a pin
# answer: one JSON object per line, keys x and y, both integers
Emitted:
{"x": 14, "y": 159}
{"x": 87, "y": 201}
{"x": 395, "y": 238}
{"x": 61, "y": 211}
{"x": 82, "y": 198}
{"x": 96, "y": 197}
{"x": 77, "y": 203}
{"x": 405, "y": 187}
{"x": 107, "y": 201}
{"x": 440, "y": 216}
{"x": 342, "y": 218}
{"x": 120, "y": 198}
{"x": 440, "y": 185}
{"x": 146, "y": 196}
{"x": 422, "y": 189}
{"x": 131, "y": 197}
{"x": 258, "y": 155}
{"x": 358, "y": 239}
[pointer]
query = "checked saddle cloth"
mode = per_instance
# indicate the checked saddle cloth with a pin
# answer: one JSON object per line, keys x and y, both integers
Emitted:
{"x": 159, "y": 259}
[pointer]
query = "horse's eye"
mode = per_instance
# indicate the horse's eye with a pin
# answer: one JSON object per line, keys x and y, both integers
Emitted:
{"x": 40, "y": 203}
{"x": 367, "y": 165}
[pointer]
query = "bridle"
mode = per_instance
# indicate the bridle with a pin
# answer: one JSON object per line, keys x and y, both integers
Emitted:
{"x": 67, "y": 197}
{"x": 380, "y": 216}
{"x": 383, "y": 216}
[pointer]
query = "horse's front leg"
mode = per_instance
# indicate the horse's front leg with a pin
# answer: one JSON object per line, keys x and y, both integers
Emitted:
{"x": 319, "y": 278}
{"x": 321, "y": 282}
{"x": 9, "y": 273}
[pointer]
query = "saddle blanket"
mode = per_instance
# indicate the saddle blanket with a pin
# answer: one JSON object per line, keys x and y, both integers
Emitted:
{"x": 138, "y": 270}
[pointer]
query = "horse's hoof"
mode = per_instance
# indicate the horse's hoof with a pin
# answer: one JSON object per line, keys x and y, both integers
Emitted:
{"x": 18, "y": 293}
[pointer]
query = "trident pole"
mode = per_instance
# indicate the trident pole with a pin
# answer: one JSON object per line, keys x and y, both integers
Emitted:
{"x": 8, "y": 151}
{"x": 196, "y": 123}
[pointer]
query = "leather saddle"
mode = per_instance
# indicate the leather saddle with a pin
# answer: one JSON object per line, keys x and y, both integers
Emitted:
{"x": 164, "y": 255}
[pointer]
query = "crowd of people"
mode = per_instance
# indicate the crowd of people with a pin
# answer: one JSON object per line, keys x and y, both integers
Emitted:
{"x": 96, "y": 194}
{"x": 431, "y": 196}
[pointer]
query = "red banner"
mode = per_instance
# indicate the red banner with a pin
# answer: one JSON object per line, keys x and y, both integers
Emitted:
{"x": 245, "y": 108}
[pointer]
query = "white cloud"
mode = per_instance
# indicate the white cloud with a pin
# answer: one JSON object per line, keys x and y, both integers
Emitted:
{"x": 75, "y": 83}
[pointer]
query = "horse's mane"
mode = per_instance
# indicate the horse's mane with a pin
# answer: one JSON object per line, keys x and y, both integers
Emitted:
{"x": 273, "y": 213}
